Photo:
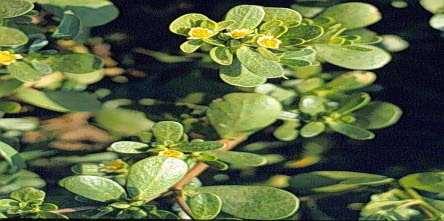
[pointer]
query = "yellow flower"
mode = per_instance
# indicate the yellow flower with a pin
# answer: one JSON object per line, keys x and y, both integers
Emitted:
{"x": 200, "y": 33}
{"x": 240, "y": 33}
{"x": 7, "y": 58}
{"x": 113, "y": 166}
{"x": 171, "y": 153}
{"x": 269, "y": 41}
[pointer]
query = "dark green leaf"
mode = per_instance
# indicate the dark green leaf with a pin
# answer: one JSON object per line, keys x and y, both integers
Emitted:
{"x": 75, "y": 101}
{"x": 123, "y": 121}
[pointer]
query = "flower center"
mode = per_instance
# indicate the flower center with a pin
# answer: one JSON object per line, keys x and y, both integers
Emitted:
{"x": 171, "y": 153}
{"x": 240, "y": 33}
{"x": 200, "y": 33}
{"x": 269, "y": 42}
{"x": 7, "y": 58}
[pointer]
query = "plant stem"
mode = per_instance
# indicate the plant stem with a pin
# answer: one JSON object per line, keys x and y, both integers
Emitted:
{"x": 76, "y": 209}
{"x": 423, "y": 203}
{"x": 198, "y": 169}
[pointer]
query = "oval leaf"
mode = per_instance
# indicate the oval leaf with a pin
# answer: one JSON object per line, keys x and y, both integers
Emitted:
{"x": 167, "y": 131}
{"x": 94, "y": 188}
{"x": 239, "y": 113}
{"x": 351, "y": 131}
{"x": 154, "y": 175}
{"x": 245, "y": 16}
{"x": 14, "y": 8}
{"x": 198, "y": 146}
{"x": 362, "y": 57}
{"x": 377, "y": 115}
{"x": 204, "y": 206}
{"x": 11, "y": 37}
{"x": 255, "y": 202}
{"x": 237, "y": 75}
{"x": 128, "y": 147}
{"x": 238, "y": 159}
{"x": 353, "y": 15}
{"x": 257, "y": 64}
{"x": 23, "y": 72}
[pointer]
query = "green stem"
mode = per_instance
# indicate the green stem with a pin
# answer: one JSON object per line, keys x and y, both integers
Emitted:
{"x": 424, "y": 203}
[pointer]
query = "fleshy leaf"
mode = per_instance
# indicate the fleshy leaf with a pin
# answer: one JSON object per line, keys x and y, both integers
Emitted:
{"x": 377, "y": 115}
{"x": 221, "y": 55}
{"x": 245, "y": 16}
{"x": 257, "y": 64}
{"x": 15, "y": 8}
{"x": 204, "y": 206}
{"x": 238, "y": 75}
{"x": 353, "y": 14}
{"x": 312, "y": 129}
{"x": 290, "y": 17}
{"x": 123, "y": 121}
{"x": 75, "y": 101}
{"x": 240, "y": 113}
{"x": 11, "y": 37}
{"x": 94, "y": 187}
{"x": 23, "y": 72}
{"x": 167, "y": 131}
{"x": 351, "y": 131}
{"x": 184, "y": 23}
{"x": 238, "y": 159}
{"x": 335, "y": 181}
{"x": 359, "y": 57}
{"x": 198, "y": 146}
{"x": 128, "y": 147}
{"x": 428, "y": 181}
{"x": 254, "y": 202}
{"x": 11, "y": 156}
{"x": 154, "y": 175}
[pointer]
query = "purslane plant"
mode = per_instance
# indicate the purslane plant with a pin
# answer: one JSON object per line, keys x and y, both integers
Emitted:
{"x": 155, "y": 171}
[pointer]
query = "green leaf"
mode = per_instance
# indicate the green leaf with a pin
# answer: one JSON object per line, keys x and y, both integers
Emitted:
{"x": 75, "y": 101}
{"x": 257, "y": 64}
{"x": 149, "y": 178}
{"x": 238, "y": 75}
{"x": 184, "y": 23}
{"x": 123, "y": 121}
{"x": 23, "y": 72}
{"x": 428, "y": 181}
{"x": 128, "y": 147}
{"x": 238, "y": 159}
{"x": 91, "y": 12}
{"x": 359, "y": 57}
{"x": 312, "y": 129}
{"x": 353, "y": 15}
{"x": 69, "y": 27}
{"x": 312, "y": 105}
{"x": 290, "y": 17}
{"x": 245, "y": 16}
{"x": 75, "y": 63}
{"x": 8, "y": 87}
{"x": 94, "y": 187}
{"x": 351, "y": 131}
{"x": 167, "y": 131}
{"x": 221, "y": 55}
{"x": 433, "y": 6}
{"x": 191, "y": 46}
{"x": 437, "y": 21}
{"x": 352, "y": 80}
{"x": 9, "y": 107}
{"x": 377, "y": 115}
{"x": 336, "y": 181}
{"x": 287, "y": 131}
{"x": 240, "y": 113}
{"x": 15, "y": 8}
{"x": 198, "y": 146}
{"x": 365, "y": 36}
{"x": 254, "y": 202}
{"x": 11, "y": 37}
{"x": 11, "y": 156}
{"x": 353, "y": 103}
{"x": 29, "y": 195}
{"x": 7, "y": 204}
{"x": 21, "y": 124}
{"x": 302, "y": 33}
{"x": 204, "y": 206}
{"x": 39, "y": 99}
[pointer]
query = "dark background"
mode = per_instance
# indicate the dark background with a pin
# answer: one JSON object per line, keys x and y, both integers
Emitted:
{"x": 413, "y": 80}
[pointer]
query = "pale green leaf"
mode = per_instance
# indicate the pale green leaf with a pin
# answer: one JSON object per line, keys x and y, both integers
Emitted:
{"x": 312, "y": 129}
{"x": 255, "y": 202}
{"x": 123, "y": 121}
{"x": 11, "y": 37}
{"x": 353, "y": 14}
{"x": 290, "y": 17}
{"x": 165, "y": 131}
{"x": 238, "y": 75}
{"x": 184, "y": 23}
{"x": 204, "y": 206}
{"x": 377, "y": 115}
{"x": 239, "y": 113}
{"x": 245, "y": 16}
{"x": 238, "y": 159}
{"x": 94, "y": 187}
{"x": 128, "y": 147}
{"x": 14, "y": 8}
{"x": 23, "y": 72}
{"x": 221, "y": 55}
{"x": 258, "y": 64}
{"x": 149, "y": 178}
